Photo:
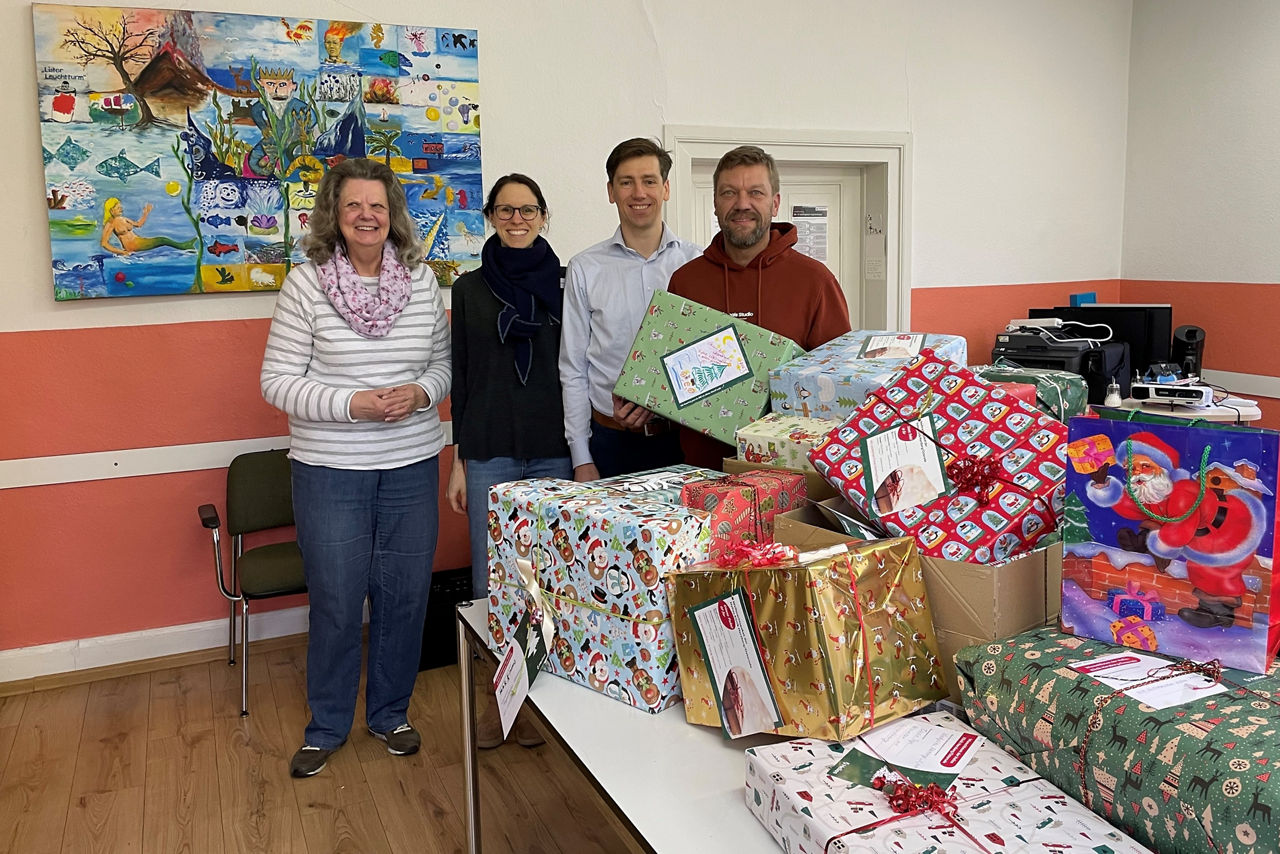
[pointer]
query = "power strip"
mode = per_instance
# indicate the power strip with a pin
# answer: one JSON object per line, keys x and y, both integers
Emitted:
{"x": 1036, "y": 322}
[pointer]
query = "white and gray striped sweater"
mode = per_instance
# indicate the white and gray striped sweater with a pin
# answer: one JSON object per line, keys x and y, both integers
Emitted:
{"x": 315, "y": 363}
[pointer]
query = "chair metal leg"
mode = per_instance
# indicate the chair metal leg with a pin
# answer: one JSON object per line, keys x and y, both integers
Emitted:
{"x": 244, "y": 658}
{"x": 231, "y": 634}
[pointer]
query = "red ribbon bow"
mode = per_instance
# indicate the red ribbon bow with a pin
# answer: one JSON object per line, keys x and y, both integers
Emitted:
{"x": 757, "y": 554}
{"x": 914, "y": 799}
{"x": 970, "y": 473}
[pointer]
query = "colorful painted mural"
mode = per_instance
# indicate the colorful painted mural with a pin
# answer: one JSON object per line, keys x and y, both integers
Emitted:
{"x": 182, "y": 149}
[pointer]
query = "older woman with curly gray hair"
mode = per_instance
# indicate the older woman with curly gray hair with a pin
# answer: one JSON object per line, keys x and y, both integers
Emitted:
{"x": 359, "y": 357}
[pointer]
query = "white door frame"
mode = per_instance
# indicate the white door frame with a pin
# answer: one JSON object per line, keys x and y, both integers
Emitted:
{"x": 688, "y": 143}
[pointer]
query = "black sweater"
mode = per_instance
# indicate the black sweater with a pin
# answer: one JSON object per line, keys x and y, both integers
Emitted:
{"x": 493, "y": 414}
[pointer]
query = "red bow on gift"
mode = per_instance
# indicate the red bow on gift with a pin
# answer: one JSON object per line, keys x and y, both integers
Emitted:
{"x": 911, "y": 798}
{"x": 757, "y": 554}
{"x": 970, "y": 473}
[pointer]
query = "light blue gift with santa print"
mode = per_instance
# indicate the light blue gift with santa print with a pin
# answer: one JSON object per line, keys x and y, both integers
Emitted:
{"x": 831, "y": 381}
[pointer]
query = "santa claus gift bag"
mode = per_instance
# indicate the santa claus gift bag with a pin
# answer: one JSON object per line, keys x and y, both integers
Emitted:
{"x": 1169, "y": 537}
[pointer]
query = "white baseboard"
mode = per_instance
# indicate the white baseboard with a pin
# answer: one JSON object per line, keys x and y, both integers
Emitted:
{"x": 68, "y": 656}
{"x": 139, "y": 462}
{"x": 1244, "y": 385}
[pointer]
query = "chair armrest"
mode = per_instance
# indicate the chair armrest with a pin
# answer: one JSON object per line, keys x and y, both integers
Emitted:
{"x": 209, "y": 516}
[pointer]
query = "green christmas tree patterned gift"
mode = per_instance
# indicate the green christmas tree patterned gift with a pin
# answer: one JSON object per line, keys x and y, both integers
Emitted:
{"x": 701, "y": 368}
{"x": 1190, "y": 777}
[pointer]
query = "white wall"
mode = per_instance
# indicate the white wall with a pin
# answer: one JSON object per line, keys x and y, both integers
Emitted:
{"x": 1203, "y": 176}
{"x": 1017, "y": 112}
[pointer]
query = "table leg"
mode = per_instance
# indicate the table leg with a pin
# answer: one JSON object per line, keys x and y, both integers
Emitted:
{"x": 470, "y": 774}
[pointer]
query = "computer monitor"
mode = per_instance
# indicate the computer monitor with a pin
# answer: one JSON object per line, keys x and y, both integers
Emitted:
{"x": 1146, "y": 328}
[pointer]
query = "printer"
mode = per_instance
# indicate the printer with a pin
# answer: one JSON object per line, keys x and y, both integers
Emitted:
{"x": 1099, "y": 363}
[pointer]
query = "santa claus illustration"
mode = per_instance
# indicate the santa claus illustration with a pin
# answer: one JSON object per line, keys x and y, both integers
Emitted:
{"x": 1217, "y": 534}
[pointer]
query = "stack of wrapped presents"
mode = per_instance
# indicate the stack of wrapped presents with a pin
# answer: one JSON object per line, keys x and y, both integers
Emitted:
{"x": 897, "y": 529}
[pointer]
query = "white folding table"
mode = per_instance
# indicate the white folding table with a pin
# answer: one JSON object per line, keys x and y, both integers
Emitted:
{"x": 676, "y": 786}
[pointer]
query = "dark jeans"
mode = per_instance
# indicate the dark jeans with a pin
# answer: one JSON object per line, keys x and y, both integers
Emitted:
{"x": 482, "y": 474}
{"x": 618, "y": 452}
{"x": 364, "y": 534}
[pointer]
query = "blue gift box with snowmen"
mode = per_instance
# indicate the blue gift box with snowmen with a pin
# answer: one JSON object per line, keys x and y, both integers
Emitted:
{"x": 831, "y": 381}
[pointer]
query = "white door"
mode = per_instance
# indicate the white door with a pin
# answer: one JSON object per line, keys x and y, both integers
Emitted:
{"x": 824, "y": 203}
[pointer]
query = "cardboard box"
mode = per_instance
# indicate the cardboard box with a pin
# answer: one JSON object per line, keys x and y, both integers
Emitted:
{"x": 819, "y": 515}
{"x": 806, "y": 529}
{"x": 992, "y": 602}
{"x": 977, "y": 604}
{"x": 816, "y": 484}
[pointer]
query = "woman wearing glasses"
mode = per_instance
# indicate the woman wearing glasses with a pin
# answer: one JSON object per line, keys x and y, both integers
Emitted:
{"x": 508, "y": 420}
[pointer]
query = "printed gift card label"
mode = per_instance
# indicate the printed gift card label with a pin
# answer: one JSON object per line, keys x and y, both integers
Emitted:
{"x": 892, "y": 346}
{"x": 706, "y": 366}
{"x": 904, "y": 467}
{"x": 732, "y": 652}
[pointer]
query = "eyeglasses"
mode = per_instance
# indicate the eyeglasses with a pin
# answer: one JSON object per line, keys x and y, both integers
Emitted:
{"x": 506, "y": 212}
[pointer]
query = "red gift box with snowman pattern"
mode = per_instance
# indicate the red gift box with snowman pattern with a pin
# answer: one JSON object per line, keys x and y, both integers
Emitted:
{"x": 591, "y": 560}
{"x": 997, "y": 487}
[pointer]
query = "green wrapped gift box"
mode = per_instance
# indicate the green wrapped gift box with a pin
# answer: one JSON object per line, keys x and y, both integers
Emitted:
{"x": 700, "y": 367}
{"x": 1190, "y": 777}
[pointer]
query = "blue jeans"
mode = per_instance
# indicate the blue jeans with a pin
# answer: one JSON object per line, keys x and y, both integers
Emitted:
{"x": 618, "y": 452}
{"x": 364, "y": 533}
{"x": 482, "y": 474}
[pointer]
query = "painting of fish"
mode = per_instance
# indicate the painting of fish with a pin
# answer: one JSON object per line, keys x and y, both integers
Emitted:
{"x": 394, "y": 59}
{"x": 219, "y": 248}
{"x": 195, "y": 166}
{"x": 71, "y": 154}
{"x": 123, "y": 168}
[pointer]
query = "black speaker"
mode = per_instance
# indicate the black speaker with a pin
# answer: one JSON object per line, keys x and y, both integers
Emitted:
{"x": 1188, "y": 350}
{"x": 440, "y": 631}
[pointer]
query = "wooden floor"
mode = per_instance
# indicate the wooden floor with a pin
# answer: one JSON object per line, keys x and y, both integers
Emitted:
{"x": 163, "y": 762}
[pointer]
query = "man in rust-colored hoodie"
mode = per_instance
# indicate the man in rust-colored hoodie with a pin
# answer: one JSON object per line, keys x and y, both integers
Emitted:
{"x": 751, "y": 270}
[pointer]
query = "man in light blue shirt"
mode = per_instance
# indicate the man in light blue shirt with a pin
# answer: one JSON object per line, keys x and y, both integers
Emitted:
{"x": 607, "y": 290}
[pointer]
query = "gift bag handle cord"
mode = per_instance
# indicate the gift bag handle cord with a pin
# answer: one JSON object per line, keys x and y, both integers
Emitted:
{"x": 1129, "y": 491}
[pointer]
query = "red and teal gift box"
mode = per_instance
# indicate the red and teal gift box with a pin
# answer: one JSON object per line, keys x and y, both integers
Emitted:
{"x": 988, "y": 483}
{"x": 742, "y": 507}
{"x": 589, "y": 562}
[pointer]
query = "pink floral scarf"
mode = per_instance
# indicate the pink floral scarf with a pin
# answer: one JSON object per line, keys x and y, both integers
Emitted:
{"x": 371, "y": 315}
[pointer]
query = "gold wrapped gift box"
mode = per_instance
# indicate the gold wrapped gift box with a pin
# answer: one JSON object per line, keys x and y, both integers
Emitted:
{"x": 847, "y": 640}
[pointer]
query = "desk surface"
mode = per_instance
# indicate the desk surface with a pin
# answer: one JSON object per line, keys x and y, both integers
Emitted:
{"x": 1207, "y": 413}
{"x": 679, "y": 785}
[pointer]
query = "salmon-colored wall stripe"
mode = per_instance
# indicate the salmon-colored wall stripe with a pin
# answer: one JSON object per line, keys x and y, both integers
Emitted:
{"x": 87, "y": 390}
{"x": 1235, "y": 317}
{"x": 981, "y": 311}
{"x": 110, "y": 556}
{"x": 1270, "y": 412}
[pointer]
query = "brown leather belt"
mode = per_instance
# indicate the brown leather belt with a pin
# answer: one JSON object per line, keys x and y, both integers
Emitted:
{"x": 656, "y": 426}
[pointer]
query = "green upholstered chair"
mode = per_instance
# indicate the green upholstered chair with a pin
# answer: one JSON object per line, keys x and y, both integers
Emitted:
{"x": 259, "y": 498}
